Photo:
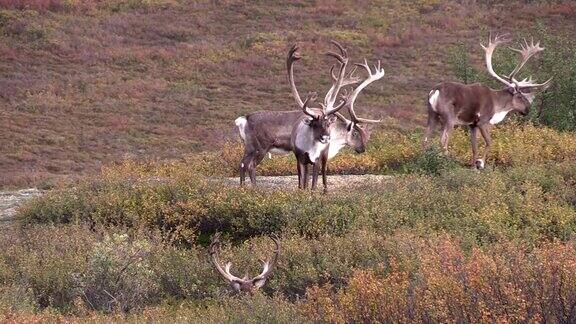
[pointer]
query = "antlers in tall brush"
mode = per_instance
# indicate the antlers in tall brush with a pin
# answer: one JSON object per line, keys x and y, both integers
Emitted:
{"x": 243, "y": 284}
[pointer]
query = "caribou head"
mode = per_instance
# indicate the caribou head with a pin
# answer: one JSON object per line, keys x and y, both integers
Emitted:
{"x": 359, "y": 129}
{"x": 321, "y": 120}
{"x": 521, "y": 92}
{"x": 244, "y": 284}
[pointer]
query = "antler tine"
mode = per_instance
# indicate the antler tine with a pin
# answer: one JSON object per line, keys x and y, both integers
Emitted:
{"x": 338, "y": 107}
{"x": 529, "y": 86}
{"x": 339, "y": 57}
{"x": 489, "y": 51}
{"x": 293, "y": 56}
{"x": 310, "y": 98}
{"x": 334, "y": 78}
{"x": 350, "y": 78}
{"x": 526, "y": 52}
{"x": 372, "y": 76}
{"x": 214, "y": 246}
{"x": 365, "y": 66}
{"x": 343, "y": 51}
{"x": 269, "y": 265}
{"x": 337, "y": 82}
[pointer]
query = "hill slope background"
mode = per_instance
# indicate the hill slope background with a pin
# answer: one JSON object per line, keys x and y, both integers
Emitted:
{"x": 85, "y": 84}
{"x": 88, "y": 83}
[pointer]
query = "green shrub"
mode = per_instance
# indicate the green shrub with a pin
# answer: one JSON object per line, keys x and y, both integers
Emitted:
{"x": 119, "y": 275}
{"x": 432, "y": 162}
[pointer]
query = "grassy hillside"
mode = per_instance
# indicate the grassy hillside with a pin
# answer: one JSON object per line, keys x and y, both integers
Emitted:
{"x": 135, "y": 100}
{"x": 87, "y": 83}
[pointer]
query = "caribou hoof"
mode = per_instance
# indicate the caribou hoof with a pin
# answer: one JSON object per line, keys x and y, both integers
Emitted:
{"x": 480, "y": 164}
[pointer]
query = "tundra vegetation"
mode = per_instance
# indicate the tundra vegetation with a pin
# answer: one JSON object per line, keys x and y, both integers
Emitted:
{"x": 438, "y": 243}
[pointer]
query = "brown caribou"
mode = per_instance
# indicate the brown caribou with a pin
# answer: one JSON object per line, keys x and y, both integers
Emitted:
{"x": 480, "y": 107}
{"x": 244, "y": 284}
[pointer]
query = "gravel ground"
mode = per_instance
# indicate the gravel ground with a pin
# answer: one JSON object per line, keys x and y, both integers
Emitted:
{"x": 10, "y": 200}
{"x": 335, "y": 182}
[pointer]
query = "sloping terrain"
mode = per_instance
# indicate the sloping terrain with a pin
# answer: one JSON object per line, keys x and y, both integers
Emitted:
{"x": 406, "y": 235}
{"x": 88, "y": 83}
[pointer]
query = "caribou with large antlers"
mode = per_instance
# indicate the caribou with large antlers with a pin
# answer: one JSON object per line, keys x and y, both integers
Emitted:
{"x": 267, "y": 132}
{"x": 480, "y": 107}
{"x": 354, "y": 130}
{"x": 245, "y": 284}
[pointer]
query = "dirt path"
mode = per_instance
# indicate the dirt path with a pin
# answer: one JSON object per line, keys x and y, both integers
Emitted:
{"x": 10, "y": 200}
{"x": 335, "y": 182}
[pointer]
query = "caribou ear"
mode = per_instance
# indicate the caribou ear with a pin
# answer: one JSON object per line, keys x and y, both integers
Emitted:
{"x": 307, "y": 121}
{"x": 512, "y": 90}
{"x": 332, "y": 119}
{"x": 349, "y": 126}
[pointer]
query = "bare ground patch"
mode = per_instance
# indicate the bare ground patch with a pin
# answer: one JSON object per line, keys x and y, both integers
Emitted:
{"x": 10, "y": 200}
{"x": 335, "y": 182}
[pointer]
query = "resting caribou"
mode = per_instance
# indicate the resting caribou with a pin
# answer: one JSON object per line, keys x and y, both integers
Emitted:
{"x": 245, "y": 284}
{"x": 267, "y": 132}
{"x": 480, "y": 107}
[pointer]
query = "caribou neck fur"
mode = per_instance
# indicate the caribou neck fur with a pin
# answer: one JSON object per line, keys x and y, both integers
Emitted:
{"x": 311, "y": 138}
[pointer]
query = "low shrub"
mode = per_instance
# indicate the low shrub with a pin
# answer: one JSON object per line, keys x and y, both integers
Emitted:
{"x": 361, "y": 276}
{"x": 506, "y": 283}
{"x": 482, "y": 206}
{"x": 389, "y": 152}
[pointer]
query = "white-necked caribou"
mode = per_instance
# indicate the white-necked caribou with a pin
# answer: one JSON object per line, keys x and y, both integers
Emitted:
{"x": 478, "y": 106}
{"x": 308, "y": 132}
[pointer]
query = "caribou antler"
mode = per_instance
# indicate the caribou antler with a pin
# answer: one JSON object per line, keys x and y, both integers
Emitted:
{"x": 350, "y": 78}
{"x": 268, "y": 266}
{"x": 378, "y": 74}
{"x": 243, "y": 284}
{"x": 492, "y": 44}
{"x": 338, "y": 82}
{"x": 311, "y": 98}
{"x": 293, "y": 56}
{"x": 527, "y": 51}
{"x": 214, "y": 247}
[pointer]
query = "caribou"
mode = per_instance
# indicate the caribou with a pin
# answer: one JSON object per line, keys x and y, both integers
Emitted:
{"x": 266, "y": 132}
{"x": 478, "y": 106}
{"x": 245, "y": 284}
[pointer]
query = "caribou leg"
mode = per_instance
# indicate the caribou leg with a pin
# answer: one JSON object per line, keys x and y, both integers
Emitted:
{"x": 474, "y": 142}
{"x": 320, "y": 166}
{"x": 246, "y": 160}
{"x": 446, "y": 133}
{"x": 254, "y": 163}
{"x": 305, "y": 176}
{"x": 324, "y": 161}
{"x": 300, "y": 168}
{"x": 485, "y": 131}
{"x": 432, "y": 119}
{"x": 315, "y": 168}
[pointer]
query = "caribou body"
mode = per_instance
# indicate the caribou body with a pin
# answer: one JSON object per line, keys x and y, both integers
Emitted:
{"x": 480, "y": 107}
